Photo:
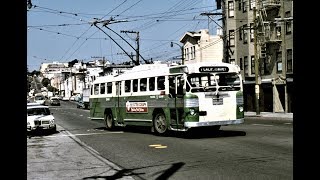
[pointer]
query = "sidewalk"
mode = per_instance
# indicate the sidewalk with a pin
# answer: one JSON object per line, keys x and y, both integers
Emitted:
{"x": 269, "y": 116}
{"x": 63, "y": 156}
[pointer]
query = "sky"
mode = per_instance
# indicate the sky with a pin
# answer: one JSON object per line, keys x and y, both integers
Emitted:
{"x": 64, "y": 30}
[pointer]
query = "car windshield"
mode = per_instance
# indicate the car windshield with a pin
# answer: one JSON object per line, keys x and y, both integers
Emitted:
{"x": 38, "y": 111}
{"x": 39, "y": 98}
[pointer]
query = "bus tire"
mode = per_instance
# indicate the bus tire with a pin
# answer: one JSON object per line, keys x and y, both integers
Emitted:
{"x": 159, "y": 123}
{"x": 108, "y": 120}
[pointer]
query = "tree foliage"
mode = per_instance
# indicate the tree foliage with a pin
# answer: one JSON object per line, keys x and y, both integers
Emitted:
{"x": 45, "y": 82}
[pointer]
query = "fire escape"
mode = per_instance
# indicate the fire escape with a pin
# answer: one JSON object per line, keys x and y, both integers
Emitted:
{"x": 269, "y": 32}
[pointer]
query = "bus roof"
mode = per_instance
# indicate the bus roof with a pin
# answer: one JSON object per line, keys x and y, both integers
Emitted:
{"x": 152, "y": 70}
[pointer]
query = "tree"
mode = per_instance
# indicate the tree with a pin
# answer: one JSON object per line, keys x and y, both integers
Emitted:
{"x": 52, "y": 89}
{"x": 45, "y": 82}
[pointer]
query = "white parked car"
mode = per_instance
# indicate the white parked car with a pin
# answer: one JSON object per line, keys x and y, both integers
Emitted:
{"x": 39, "y": 117}
{"x": 40, "y": 99}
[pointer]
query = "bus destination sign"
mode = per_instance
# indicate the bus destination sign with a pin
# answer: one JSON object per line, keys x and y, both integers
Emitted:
{"x": 213, "y": 69}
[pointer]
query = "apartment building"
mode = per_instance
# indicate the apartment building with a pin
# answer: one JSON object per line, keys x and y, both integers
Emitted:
{"x": 271, "y": 44}
{"x": 201, "y": 46}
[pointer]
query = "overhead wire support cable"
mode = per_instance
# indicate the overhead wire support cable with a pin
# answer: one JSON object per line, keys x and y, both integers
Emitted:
{"x": 95, "y": 24}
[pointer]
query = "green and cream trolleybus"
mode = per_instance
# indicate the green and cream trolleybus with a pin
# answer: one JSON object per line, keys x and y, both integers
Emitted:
{"x": 166, "y": 97}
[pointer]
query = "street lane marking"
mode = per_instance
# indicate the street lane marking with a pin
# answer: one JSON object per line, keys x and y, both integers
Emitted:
{"x": 287, "y": 123}
{"x": 261, "y": 124}
{"x": 154, "y": 145}
{"x": 158, "y": 146}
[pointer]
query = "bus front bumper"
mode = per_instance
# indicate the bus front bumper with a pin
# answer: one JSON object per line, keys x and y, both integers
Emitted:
{"x": 213, "y": 123}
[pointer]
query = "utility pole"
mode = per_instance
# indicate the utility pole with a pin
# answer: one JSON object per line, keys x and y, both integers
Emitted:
{"x": 137, "y": 62}
{"x": 283, "y": 53}
{"x": 181, "y": 48}
{"x": 210, "y": 18}
{"x": 256, "y": 62}
{"x": 103, "y": 62}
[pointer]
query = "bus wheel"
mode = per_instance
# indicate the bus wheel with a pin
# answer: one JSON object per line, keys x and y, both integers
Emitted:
{"x": 108, "y": 120}
{"x": 159, "y": 123}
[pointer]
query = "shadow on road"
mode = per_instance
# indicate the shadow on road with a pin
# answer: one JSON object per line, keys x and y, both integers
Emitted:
{"x": 204, "y": 133}
{"x": 161, "y": 175}
{"x": 196, "y": 133}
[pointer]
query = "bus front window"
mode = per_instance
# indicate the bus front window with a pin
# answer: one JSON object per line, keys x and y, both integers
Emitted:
{"x": 204, "y": 82}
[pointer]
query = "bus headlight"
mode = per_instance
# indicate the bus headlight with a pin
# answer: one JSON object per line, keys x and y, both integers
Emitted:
{"x": 240, "y": 109}
{"x": 192, "y": 112}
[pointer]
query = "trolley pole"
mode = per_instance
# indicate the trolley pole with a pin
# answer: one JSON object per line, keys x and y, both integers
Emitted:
{"x": 256, "y": 63}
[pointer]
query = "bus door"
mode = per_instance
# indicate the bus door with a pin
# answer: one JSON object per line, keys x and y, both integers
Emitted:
{"x": 176, "y": 104}
{"x": 119, "y": 103}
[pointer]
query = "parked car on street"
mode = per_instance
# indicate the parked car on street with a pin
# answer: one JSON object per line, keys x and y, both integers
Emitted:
{"x": 39, "y": 117}
{"x": 39, "y": 98}
{"x": 54, "y": 101}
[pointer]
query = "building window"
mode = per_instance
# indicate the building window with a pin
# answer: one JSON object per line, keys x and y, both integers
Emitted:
{"x": 232, "y": 61}
{"x": 193, "y": 52}
{"x": 251, "y": 32}
{"x": 289, "y": 60}
{"x": 187, "y": 53}
{"x": 278, "y": 31}
{"x": 240, "y": 33}
{"x": 230, "y": 9}
{"x": 252, "y": 65}
{"x": 246, "y": 67}
{"x": 239, "y": 5}
{"x": 245, "y": 34}
{"x": 288, "y": 23}
{"x": 252, "y": 4}
{"x": 241, "y": 64}
{"x": 279, "y": 61}
{"x": 231, "y": 38}
{"x": 244, "y": 6}
{"x": 265, "y": 66}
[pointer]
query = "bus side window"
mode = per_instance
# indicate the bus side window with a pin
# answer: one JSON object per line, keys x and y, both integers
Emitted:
{"x": 135, "y": 85}
{"x": 143, "y": 84}
{"x": 127, "y": 86}
{"x": 151, "y": 83}
{"x": 160, "y": 83}
{"x": 96, "y": 89}
{"x": 109, "y": 87}
{"x": 118, "y": 88}
{"x": 102, "y": 88}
